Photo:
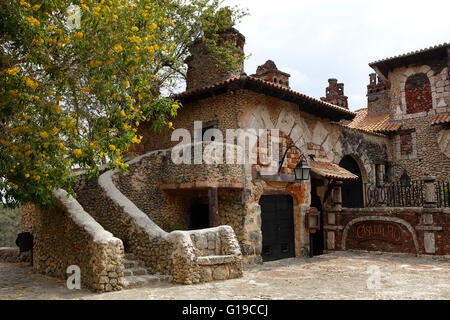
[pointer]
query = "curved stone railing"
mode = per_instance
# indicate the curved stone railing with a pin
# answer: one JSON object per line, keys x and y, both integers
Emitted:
{"x": 175, "y": 253}
{"x": 66, "y": 235}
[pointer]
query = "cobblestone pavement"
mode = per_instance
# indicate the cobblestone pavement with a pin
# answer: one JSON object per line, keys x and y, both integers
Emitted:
{"x": 342, "y": 275}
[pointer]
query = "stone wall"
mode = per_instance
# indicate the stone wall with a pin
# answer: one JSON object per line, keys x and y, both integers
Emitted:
{"x": 162, "y": 252}
{"x": 66, "y": 235}
{"x": 430, "y": 148}
{"x": 419, "y": 231}
{"x": 119, "y": 215}
{"x": 206, "y": 255}
{"x": 13, "y": 255}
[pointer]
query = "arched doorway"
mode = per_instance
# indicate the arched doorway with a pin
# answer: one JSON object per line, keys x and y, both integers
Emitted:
{"x": 277, "y": 228}
{"x": 352, "y": 190}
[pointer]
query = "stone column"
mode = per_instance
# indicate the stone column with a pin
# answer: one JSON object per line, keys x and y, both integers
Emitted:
{"x": 380, "y": 174}
{"x": 213, "y": 207}
{"x": 429, "y": 192}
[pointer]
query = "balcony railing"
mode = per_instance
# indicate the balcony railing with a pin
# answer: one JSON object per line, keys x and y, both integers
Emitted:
{"x": 395, "y": 195}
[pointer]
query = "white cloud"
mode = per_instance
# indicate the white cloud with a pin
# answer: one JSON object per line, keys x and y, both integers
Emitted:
{"x": 324, "y": 39}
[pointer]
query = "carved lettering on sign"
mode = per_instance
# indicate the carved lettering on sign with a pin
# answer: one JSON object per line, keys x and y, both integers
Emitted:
{"x": 378, "y": 230}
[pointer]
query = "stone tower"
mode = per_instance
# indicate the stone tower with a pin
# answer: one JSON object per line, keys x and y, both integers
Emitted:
{"x": 269, "y": 72}
{"x": 377, "y": 95}
{"x": 335, "y": 94}
{"x": 203, "y": 69}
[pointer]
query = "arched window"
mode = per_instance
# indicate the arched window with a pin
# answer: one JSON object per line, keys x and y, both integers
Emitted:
{"x": 418, "y": 93}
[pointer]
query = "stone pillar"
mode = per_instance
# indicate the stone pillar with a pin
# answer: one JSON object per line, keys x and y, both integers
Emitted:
{"x": 380, "y": 174}
{"x": 213, "y": 207}
{"x": 429, "y": 192}
{"x": 337, "y": 195}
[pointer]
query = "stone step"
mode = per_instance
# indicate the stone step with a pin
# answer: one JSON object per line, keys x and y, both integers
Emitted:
{"x": 128, "y": 264}
{"x": 135, "y": 271}
{"x": 145, "y": 280}
{"x": 211, "y": 260}
{"x": 129, "y": 256}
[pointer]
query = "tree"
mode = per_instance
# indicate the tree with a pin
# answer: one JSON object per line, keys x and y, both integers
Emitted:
{"x": 78, "y": 77}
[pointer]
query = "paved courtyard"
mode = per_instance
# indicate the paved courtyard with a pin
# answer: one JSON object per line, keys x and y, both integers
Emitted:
{"x": 342, "y": 275}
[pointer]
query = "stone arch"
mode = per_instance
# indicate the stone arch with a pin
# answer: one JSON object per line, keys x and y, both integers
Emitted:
{"x": 352, "y": 190}
{"x": 418, "y": 93}
{"x": 361, "y": 165}
{"x": 406, "y": 224}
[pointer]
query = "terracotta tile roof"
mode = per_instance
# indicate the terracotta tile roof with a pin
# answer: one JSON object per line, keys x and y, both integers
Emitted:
{"x": 442, "y": 118}
{"x": 384, "y": 66}
{"x": 374, "y": 123}
{"x": 323, "y": 108}
{"x": 412, "y": 53}
{"x": 331, "y": 170}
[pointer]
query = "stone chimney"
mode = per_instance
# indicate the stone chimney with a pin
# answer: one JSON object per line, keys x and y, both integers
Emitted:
{"x": 269, "y": 72}
{"x": 377, "y": 95}
{"x": 204, "y": 69}
{"x": 335, "y": 94}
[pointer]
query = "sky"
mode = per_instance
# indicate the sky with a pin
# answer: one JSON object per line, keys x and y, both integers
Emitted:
{"x": 316, "y": 40}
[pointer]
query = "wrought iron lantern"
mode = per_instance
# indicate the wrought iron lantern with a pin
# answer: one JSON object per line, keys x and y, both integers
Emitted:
{"x": 313, "y": 220}
{"x": 302, "y": 171}
{"x": 405, "y": 180}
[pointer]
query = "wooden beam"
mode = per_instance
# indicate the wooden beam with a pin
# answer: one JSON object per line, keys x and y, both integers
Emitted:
{"x": 213, "y": 200}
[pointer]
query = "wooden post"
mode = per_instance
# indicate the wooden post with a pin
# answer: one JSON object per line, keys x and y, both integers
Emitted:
{"x": 213, "y": 200}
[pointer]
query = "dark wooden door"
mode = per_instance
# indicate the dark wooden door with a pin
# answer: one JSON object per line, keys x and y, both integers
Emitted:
{"x": 277, "y": 227}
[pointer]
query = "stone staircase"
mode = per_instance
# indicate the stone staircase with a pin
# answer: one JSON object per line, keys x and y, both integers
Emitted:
{"x": 136, "y": 275}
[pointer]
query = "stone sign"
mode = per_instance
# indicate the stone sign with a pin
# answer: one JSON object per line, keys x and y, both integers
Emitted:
{"x": 378, "y": 230}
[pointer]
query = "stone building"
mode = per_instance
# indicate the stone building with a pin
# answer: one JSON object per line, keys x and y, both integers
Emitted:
{"x": 200, "y": 218}
{"x": 408, "y": 100}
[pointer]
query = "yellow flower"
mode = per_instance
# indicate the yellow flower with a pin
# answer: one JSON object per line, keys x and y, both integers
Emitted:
{"x": 115, "y": 16}
{"x": 46, "y": 145}
{"x": 24, "y": 4}
{"x": 33, "y": 21}
{"x": 112, "y": 147}
{"x": 27, "y": 175}
{"x": 126, "y": 83}
{"x": 44, "y": 134}
{"x": 61, "y": 145}
{"x": 36, "y": 7}
{"x": 136, "y": 140}
{"x": 12, "y": 71}
{"x": 134, "y": 29}
{"x": 37, "y": 178}
{"x": 153, "y": 26}
{"x": 175, "y": 106}
{"x": 85, "y": 7}
{"x": 77, "y": 152}
{"x": 170, "y": 124}
{"x": 30, "y": 83}
{"x": 15, "y": 187}
{"x": 123, "y": 113}
{"x": 79, "y": 35}
{"x": 102, "y": 154}
{"x": 55, "y": 130}
{"x": 118, "y": 48}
